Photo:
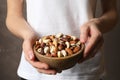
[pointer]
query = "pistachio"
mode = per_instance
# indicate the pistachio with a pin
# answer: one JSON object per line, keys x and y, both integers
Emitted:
{"x": 39, "y": 50}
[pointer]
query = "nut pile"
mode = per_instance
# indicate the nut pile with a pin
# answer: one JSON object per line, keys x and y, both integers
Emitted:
{"x": 59, "y": 45}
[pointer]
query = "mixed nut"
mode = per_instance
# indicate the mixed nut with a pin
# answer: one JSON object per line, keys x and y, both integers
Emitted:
{"x": 59, "y": 45}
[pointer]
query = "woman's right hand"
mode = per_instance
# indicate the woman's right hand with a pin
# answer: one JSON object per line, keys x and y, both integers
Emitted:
{"x": 30, "y": 57}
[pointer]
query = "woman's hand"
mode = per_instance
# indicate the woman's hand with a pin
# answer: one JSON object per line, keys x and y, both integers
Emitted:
{"x": 30, "y": 57}
{"x": 92, "y": 37}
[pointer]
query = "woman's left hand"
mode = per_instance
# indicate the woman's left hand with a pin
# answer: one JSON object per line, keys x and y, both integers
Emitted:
{"x": 91, "y": 35}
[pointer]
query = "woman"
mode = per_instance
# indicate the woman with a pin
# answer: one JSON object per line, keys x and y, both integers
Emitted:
{"x": 74, "y": 17}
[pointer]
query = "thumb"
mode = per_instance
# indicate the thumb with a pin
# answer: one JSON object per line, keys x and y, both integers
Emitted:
{"x": 31, "y": 55}
{"x": 84, "y": 34}
{"x": 27, "y": 48}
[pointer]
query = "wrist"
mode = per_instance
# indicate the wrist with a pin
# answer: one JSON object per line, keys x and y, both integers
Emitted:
{"x": 30, "y": 35}
{"x": 99, "y": 23}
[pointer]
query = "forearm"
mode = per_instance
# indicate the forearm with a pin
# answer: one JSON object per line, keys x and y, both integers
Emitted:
{"x": 15, "y": 21}
{"x": 107, "y": 21}
{"x": 109, "y": 16}
{"x": 19, "y": 27}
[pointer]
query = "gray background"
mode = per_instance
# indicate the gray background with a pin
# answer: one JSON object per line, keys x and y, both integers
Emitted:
{"x": 10, "y": 49}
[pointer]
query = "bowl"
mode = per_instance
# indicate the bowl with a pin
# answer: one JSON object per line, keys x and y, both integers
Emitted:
{"x": 60, "y": 63}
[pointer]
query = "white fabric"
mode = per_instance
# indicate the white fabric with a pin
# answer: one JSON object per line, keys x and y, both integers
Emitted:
{"x": 61, "y": 16}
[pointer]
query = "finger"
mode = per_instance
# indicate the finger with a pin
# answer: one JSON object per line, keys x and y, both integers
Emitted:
{"x": 48, "y": 71}
{"x": 91, "y": 44}
{"x": 59, "y": 71}
{"x": 93, "y": 53}
{"x": 98, "y": 46}
{"x": 27, "y": 47}
{"x": 95, "y": 50}
{"x": 84, "y": 33}
{"x": 39, "y": 65}
{"x": 80, "y": 61}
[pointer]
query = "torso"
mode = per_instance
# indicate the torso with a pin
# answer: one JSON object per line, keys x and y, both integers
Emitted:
{"x": 61, "y": 16}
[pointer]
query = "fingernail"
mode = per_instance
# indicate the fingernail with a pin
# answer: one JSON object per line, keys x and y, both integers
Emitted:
{"x": 46, "y": 67}
{"x": 31, "y": 56}
{"x": 82, "y": 40}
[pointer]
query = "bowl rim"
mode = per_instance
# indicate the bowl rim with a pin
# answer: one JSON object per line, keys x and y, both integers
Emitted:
{"x": 56, "y": 58}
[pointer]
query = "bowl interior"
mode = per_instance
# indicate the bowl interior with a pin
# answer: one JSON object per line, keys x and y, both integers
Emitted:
{"x": 55, "y": 58}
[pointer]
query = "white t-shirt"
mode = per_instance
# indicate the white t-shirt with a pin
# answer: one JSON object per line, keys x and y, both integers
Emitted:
{"x": 61, "y": 16}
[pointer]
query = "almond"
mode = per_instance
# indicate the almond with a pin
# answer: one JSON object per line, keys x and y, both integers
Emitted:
{"x": 76, "y": 49}
{"x": 55, "y": 42}
{"x": 60, "y": 47}
{"x": 37, "y": 42}
{"x": 69, "y": 51}
{"x": 53, "y": 49}
{"x": 43, "y": 45}
{"x": 52, "y": 37}
{"x": 51, "y": 44}
{"x": 72, "y": 42}
{"x": 54, "y": 54}
{"x": 48, "y": 55}
{"x": 37, "y": 46}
